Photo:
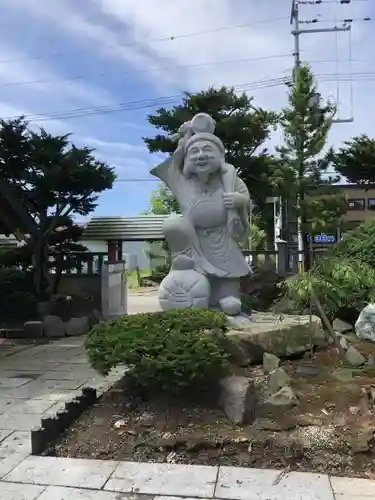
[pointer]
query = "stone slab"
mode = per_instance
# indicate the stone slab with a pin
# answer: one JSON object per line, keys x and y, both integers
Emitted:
{"x": 10, "y": 382}
{"x": 61, "y": 493}
{"x": 19, "y": 421}
{"x": 164, "y": 479}
{"x": 32, "y": 406}
{"x": 238, "y": 483}
{"x": 350, "y": 487}
{"x": 4, "y": 434}
{"x": 12, "y": 491}
{"x": 13, "y": 450}
{"x": 46, "y": 385}
{"x": 62, "y": 374}
{"x": 55, "y": 471}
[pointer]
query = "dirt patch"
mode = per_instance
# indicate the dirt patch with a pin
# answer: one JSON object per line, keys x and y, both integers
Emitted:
{"x": 331, "y": 430}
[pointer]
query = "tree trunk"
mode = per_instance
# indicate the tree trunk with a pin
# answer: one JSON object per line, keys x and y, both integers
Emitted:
{"x": 40, "y": 257}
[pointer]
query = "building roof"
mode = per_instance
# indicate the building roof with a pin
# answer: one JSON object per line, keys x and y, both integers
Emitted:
{"x": 142, "y": 228}
{"x": 7, "y": 243}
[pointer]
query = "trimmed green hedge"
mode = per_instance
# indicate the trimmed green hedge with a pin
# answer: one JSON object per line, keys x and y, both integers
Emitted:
{"x": 166, "y": 351}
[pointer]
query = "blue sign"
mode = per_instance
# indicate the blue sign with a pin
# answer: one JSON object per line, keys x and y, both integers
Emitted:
{"x": 324, "y": 238}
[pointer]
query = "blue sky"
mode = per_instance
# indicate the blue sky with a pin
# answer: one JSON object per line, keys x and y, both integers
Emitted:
{"x": 62, "y": 55}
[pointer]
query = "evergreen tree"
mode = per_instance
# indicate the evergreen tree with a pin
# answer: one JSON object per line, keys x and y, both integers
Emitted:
{"x": 306, "y": 123}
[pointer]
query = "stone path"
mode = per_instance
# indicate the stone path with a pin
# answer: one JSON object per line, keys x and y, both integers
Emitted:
{"x": 36, "y": 381}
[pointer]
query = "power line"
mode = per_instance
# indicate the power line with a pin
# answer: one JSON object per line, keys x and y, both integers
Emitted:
{"x": 169, "y": 38}
{"x": 173, "y": 99}
{"x": 149, "y": 70}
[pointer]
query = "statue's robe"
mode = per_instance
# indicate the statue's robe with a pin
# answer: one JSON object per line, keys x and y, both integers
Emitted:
{"x": 214, "y": 229}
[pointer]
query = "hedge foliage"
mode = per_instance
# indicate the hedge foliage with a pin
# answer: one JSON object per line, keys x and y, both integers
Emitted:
{"x": 166, "y": 351}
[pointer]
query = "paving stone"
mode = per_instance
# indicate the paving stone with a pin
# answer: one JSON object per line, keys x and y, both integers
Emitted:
{"x": 4, "y": 434}
{"x": 55, "y": 471}
{"x": 77, "y": 373}
{"x": 32, "y": 406}
{"x": 350, "y": 487}
{"x": 46, "y": 385}
{"x": 19, "y": 421}
{"x": 164, "y": 479}
{"x": 11, "y": 491}
{"x": 10, "y": 382}
{"x": 7, "y": 403}
{"x": 61, "y": 493}
{"x": 254, "y": 484}
{"x": 174, "y": 498}
{"x": 13, "y": 450}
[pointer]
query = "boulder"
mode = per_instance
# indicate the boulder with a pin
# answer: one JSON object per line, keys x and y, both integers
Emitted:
{"x": 280, "y": 335}
{"x": 365, "y": 324}
{"x": 284, "y": 398}
{"x": 77, "y": 326}
{"x": 53, "y": 326}
{"x": 341, "y": 326}
{"x": 270, "y": 362}
{"x": 237, "y": 398}
{"x": 33, "y": 329}
{"x": 277, "y": 379}
{"x": 354, "y": 357}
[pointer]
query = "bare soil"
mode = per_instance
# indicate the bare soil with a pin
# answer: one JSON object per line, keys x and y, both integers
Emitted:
{"x": 331, "y": 430}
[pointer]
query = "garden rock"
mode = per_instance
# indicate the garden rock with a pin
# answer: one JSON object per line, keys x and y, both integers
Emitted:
{"x": 77, "y": 326}
{"x": 280, "y": 335}
{"x": 354, "y": 357}
{"x": 270, "y": 362}
{"x": 341, "y": 326}
{"x": 53, "y": 326}
{"x": 237, "y": 399}
{"x": 285, "y": 397}
{"x": 277, "y": 379}
{"x": 365, "y": 324}
{"x": 33, "y": 329}
{"x": 95, "y": 317}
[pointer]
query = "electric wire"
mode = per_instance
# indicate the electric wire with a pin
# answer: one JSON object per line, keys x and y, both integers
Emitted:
{"x": 174, "y": 99}
{"x": 147, "y": 42}
{"x": 148, "y": 70}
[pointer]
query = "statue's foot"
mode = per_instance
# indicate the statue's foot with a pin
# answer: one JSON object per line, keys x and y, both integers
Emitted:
{"x": 230, "y": 305}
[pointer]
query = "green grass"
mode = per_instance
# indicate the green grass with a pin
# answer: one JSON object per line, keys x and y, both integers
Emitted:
{"x": 133, "y": 278}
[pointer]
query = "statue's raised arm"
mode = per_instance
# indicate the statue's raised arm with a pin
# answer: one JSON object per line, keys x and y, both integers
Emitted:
{"x": 215, "y": 206}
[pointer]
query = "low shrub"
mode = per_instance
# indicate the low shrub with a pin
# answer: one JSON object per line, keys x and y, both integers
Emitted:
{"x": 17, "y": 298}
{"x": 159, "y": 273}
{"x": 340, "y": 283}
{"x": 166, "y": 352}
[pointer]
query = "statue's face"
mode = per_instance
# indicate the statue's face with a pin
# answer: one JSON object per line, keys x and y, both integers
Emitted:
{"x": 203, "y": 158}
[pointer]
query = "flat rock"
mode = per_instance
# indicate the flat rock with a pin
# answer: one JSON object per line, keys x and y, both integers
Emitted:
{"x": 53, "y": 326}
{"x": 354, "y": 357}
{"x": 285, "y": 397}
{"x": 341, "y": 326}
{"x": 270, "y": 362}
{"x": 277, "y": 379}
{"x": 237, "y": 398}
{"x": 77, "y": 326}
{"x": 280, "y": 335}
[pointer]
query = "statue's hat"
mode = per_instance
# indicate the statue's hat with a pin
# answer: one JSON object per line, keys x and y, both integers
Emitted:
{"x": 202, "y": 127}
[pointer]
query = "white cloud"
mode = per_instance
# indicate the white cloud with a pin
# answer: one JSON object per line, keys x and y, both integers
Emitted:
{"x": 126, "y": 37}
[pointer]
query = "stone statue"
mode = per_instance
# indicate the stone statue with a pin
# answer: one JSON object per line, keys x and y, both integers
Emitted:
{"x": 207, "y": 262}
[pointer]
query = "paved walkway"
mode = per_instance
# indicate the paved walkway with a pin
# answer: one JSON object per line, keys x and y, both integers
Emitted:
{"x": 36, "y": 381}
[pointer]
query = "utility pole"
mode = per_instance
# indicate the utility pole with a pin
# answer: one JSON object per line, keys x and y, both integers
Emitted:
{"x": 297, "y": 32}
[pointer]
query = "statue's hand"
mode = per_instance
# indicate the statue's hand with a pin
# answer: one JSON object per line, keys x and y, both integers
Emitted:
{"x": 234, "y": 200}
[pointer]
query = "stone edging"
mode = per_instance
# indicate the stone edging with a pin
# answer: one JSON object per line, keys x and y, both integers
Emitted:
{"x": 52, "y": 427}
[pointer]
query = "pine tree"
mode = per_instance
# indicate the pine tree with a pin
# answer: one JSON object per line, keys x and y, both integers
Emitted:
{"x": 306, "y": 123}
